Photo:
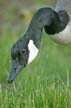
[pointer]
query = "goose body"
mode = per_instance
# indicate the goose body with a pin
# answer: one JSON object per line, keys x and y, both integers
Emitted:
{"x": 56, "y": 23}
{"x": 65, "y": 35}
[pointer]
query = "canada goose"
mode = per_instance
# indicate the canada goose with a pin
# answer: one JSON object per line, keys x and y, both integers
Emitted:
{"x": 57, "y": 25}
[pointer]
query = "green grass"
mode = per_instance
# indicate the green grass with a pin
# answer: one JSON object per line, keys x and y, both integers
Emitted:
{"x": 45, "y": 83}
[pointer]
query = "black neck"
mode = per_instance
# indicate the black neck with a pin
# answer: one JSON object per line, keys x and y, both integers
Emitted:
{"x": 48, "y": 19}
{"x": 41, "y": 18}
{"x": 58, "y": 24}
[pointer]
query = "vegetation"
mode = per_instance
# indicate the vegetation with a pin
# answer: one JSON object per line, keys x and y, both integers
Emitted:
{"x": 45, "y": 83}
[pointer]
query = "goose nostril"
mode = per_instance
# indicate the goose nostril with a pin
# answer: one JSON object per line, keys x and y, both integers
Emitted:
{"x": 15, "y": 68}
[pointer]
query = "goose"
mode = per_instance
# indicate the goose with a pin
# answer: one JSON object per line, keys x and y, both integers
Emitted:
{"x": 56, "y": 23}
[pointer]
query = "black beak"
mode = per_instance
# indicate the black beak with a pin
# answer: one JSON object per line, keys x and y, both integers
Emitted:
{"x": 10, "y": 81}
{"x": 15, "y": 70}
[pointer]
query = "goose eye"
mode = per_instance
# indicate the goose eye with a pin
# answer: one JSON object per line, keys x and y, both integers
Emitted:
{"x": 23, "y": 51}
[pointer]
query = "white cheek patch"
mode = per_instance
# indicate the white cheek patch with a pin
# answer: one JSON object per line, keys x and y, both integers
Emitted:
{"x": 33, "y": 51}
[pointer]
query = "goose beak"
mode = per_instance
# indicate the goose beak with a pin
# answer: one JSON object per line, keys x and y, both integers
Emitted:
{"x": 15, "y": 70}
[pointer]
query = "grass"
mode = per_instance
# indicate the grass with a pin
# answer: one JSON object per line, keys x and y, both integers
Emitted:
{"x": 45, "y": 83}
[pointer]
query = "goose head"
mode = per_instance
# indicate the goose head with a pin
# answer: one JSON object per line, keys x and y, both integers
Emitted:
{"x": 23, "y": 52}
